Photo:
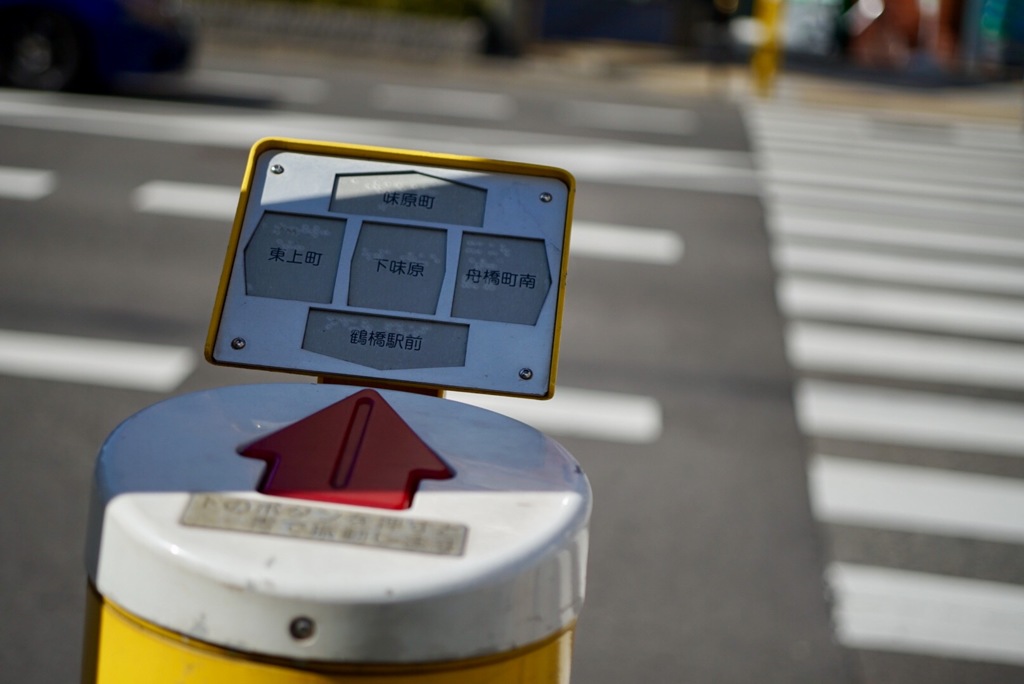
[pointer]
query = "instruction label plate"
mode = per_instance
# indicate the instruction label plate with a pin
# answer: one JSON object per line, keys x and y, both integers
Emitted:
{"x": 321, "y": 523}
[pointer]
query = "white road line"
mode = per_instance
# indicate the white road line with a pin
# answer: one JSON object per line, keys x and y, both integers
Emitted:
{"x": 912, "y": 499}
{"x": 26, "y": 184}
{"x": 296, "y": 89}
{"x": 789, "y": 221}
{"x": 861, "y": 351}
{"x": 443, "y": 101}
{"x": 902, "y": 308}
{"x": 877, "y": 266}
{"x": 920, "y": 419}
{"x": 649, "y": 166}
{"x": 128, "y": 365}
{"x": 622, "y": 163}
{"x": 793, "y": 130}
{"x": 874, "y": 179}
{"x": 1002, "y": 224}
{"x": 196, "y": 125}
{"x": 981, "y": 175}
{"x": 775, "y": 140}
{"x": 588, "y": 239}
{"x": 852, "y": 129}
{"x": 611, "y": 116}
{"x": 190, "y": 200}
{"x": 625, "y": 243}
{"x": 1004, "y": 138}
{"x": 608, "y": 416}
{"x": 913, "y": 612}
{"x": 881, "y": 200}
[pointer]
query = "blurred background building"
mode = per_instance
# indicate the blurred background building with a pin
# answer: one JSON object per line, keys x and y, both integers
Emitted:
{"x": 964, "y": 36}
{"x": 56, "y": 44}
{"x": 979, "y": 38}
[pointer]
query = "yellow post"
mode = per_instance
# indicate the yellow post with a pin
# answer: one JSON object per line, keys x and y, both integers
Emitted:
{"x": 129, "y": 650}
{"x": 766, "y": 59}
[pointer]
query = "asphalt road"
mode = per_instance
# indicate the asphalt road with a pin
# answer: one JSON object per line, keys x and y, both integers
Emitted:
{"x": 708, "y": 561}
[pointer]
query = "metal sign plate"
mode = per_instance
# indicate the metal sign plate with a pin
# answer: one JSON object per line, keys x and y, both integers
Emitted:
{"x": 396, "y": 267}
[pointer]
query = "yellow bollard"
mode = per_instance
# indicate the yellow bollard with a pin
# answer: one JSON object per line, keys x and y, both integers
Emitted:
{"x": 766, "y": 59}
{"x": 133, "y": 650}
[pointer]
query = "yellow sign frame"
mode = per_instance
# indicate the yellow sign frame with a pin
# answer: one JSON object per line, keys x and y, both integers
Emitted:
{"x": 397, "y": 156}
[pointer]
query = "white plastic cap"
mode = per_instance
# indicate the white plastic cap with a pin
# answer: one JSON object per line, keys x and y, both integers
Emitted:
{"x": 488, "y": 561}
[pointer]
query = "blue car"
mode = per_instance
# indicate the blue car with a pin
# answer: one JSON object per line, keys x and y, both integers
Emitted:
{"x": 65, "y": 44}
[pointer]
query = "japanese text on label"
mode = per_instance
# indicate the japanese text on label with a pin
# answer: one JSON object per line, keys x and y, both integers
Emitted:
{"x": 409, "y": 199}
{"x": 296, "y": 256}
{"x": 527, "y": 280}
{"x": 391, "y": 340}
{"x": 399, "y": 267}
{"x": 320, "y": 523}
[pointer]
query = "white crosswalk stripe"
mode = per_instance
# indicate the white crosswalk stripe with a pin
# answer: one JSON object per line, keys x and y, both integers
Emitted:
{"x": 625, "y": 243}
{"x": 443, "y": 101}
{"x": 897, "y": 497}
{"x": 109, "y": 363}
{"x": 26, "y": 184}
{"x": 187, "y": 200}
{"x": 916, "y": 270}
{"x": 295, "y": 89}
{"x": 907, "y": 356}
{"x": 900, "y": 257}
{"x": 901, "y": 307}
{"x": 608, "y": 416}
{"x": 624, "y": 163}
{"x": 925, "y": 236}
{"x": 921, "y": 419}
{"x": 629, "y": 117}
{"x": 914, "y": 612}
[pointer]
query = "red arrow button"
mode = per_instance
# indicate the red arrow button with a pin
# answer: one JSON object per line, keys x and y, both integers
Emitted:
{"x": 357, "y": 451}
